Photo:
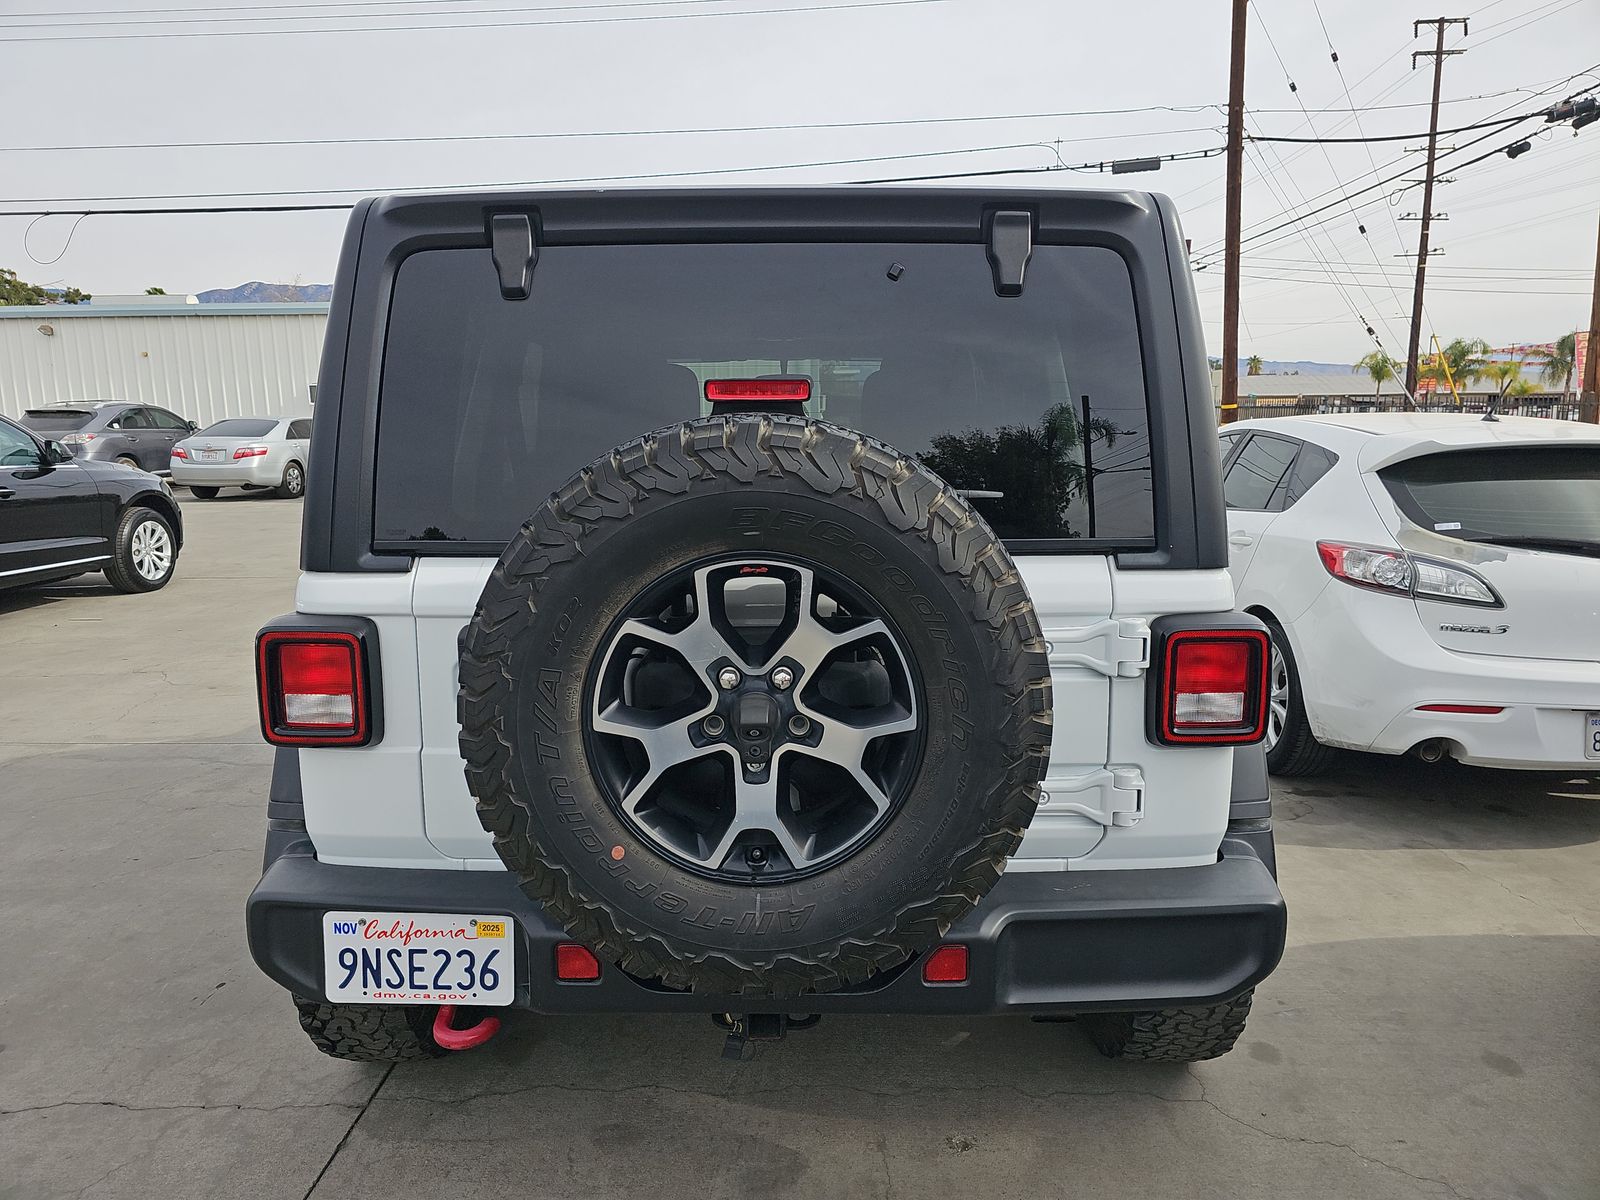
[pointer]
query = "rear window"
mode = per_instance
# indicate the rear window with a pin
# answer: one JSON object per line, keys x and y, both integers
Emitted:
{"x": 57, "y": 418}
{"x": 1502, "y": 494}
{"x": 1035, "y": 402}
{"x": 238, "y": 427}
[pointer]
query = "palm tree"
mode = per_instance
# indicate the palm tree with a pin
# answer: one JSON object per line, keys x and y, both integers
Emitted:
{"x": 1559, "y": 363}
{"x": 1522, "y": 387}
{"x": 1380, "y": 366}
{"x": 1253, "y": 365}
{"x": 1503, "y": 374}
{"x": 1466, "y": 358}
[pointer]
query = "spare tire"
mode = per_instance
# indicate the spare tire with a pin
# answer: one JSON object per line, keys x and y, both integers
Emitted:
{"x": 755, "y": 705}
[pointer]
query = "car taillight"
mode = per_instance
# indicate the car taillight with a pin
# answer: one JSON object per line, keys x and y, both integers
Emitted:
{"x": 249, "y": 452}
{"x": 1213, "y": 687}
{"x": 789, "y": 391}
{"x": 1402, "y": 574}
{"x": 77, "y": 439}
{"x": 313, "y": 689}
{"x": 179, "y": 452}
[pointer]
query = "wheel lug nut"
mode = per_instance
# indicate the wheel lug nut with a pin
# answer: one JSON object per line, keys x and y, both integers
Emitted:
{"x": 799, "y": 726}
{"x": 782, "y": 677}
{"x": 728, "y": 679}
{"x": 713, "y": 726}
{"x": 755, "y": 856}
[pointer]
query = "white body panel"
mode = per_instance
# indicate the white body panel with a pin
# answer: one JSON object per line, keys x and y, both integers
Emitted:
{"x": 1368, "y": 660}
{"x": 1112, "y": 799}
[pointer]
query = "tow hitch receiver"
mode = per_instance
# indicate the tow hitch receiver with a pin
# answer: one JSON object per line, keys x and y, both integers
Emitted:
{"x": 758, "y": 1027}
{"x": 451, "y": 1038}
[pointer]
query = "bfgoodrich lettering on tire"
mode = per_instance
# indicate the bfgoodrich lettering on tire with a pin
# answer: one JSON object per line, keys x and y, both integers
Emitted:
{"x": 755, "y": 705}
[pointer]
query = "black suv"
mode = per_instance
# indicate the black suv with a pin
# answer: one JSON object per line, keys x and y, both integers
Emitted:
{"x": 62, "y": 516}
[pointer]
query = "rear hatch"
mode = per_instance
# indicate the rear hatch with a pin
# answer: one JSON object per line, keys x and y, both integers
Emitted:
{"x": 54, "y": 424}
{"x": 1526, "y": 520}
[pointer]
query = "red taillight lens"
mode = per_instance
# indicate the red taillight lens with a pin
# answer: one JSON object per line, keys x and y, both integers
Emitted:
{"x": 792, "y": 391}
{"x": 947, "y": 964}
{"x": 249, "y": 452}
{"x": 179, "y": 452}
{"x": 313, "y": 689}
{"x": 576, "y": 964}
{"x": 1476, "y": 710}
{"x": 1214, "y": 687}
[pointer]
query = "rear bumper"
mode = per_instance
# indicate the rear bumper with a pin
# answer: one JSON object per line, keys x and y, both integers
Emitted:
{"x": 261, "y": 471}
{"x": 1039, "y": 943}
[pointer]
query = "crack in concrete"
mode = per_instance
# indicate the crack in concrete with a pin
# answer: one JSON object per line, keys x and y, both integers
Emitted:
{"x": 1305, "y": 1141}
{"x": 345, "y": 1140}
{"x": 139, "y": 1108}
{"x": 888, "y": 1173}
{"x": 1510, "y": 891}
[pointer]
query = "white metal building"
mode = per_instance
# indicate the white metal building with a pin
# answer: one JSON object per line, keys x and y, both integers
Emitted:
{"x": 203, "y": 361}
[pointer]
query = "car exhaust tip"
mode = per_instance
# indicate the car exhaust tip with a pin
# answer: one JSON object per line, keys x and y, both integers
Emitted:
{"x": 1430, "y": 751}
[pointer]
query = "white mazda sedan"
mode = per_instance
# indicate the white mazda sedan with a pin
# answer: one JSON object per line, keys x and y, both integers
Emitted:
{"x": 1431, "y": 582}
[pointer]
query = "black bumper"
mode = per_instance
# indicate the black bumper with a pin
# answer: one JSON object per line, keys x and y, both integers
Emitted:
{"x": 1057, "y": 942}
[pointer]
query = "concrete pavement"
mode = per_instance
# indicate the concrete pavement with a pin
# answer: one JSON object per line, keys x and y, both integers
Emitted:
{"x": 1432, "y": 1030}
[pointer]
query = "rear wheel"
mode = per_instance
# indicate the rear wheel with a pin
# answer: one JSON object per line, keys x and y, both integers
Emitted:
{"x": 1170, "y": 1034}
{"x": 203, "y": 493}
{"x": 294, "y": 482}
{"x": 389, "y": 1033}
{"x": 127, "y": 460}
{"x": 1292, "y": 749}
{"x": 144, "y": 553}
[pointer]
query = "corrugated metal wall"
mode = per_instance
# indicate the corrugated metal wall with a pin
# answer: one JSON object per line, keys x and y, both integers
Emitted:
{"x": 204, "y": 362}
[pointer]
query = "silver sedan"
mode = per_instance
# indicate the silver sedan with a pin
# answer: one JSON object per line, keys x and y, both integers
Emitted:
{"x": 246, "y": 452}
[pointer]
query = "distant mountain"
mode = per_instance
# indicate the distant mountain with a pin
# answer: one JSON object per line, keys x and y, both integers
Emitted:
{"x": 257, "y": 292}
{"x": 1298, "y": 367}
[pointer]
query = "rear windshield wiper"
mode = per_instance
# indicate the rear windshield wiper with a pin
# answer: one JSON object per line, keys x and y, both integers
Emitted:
{"x": 1533, "y": 542}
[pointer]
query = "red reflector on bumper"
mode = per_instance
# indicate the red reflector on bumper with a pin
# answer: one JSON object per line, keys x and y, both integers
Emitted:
{"x": 1487, "y": 710}
{"x": 576, "y": 964}
{"x": 947, "y": 964}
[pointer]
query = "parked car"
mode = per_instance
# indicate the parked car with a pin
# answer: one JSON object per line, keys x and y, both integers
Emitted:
{"x": 131, "y": 435}
{"x": 246, "y": 452}
{"x": 745, "y": 716}
{"x": 1431, "y": 582}
{"x": 62, "y": 516}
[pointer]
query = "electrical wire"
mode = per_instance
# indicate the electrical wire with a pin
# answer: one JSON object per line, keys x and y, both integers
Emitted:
{"x": 701, "y": 16}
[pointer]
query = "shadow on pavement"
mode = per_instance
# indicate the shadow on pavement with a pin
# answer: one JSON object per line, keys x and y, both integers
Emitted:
{"x": 1370, "y": 800}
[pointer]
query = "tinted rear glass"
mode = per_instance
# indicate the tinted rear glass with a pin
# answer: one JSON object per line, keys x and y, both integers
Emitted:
{"x": 1502, "y": 493}
{"x": 488, "y": 405}
{"x": 236, "y": 427}
{"x": 57, "y": 418}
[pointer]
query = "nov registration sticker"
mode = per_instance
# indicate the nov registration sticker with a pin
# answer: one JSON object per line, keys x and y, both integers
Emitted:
{"x": 418, "y": 958}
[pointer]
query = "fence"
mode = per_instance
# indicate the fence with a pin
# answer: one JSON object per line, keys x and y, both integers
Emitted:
{"x": 1552, "y": 407}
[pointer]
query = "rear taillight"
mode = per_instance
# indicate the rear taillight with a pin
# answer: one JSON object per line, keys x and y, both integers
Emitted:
{"x": 77, "y": 439}
{"x": 313, "y": 688}
{"x": 179, "y": 452}
{"x": 249, "y": 452}
{"x": 786, "y": 391}
{"x": 1395, "y": 571}
{"x": 1213, "y": 687}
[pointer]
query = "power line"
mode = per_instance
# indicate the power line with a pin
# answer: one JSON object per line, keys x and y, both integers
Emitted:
{"x": 625, "y": 133}
{"x": 701, "y": 16}
{"x": 1395, "y": 137}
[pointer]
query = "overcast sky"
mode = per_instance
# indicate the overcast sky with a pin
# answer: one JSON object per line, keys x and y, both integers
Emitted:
{"x": 1519, "y": 246}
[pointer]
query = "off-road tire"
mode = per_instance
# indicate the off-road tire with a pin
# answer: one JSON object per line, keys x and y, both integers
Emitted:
{"x": 553, "y": 595}
{"x": 120, "y": 570}
{"x": 391, "y": 1033}
{"x": 294, "y": 483}
{"x": 201, "y": 492}
{"x": 1297, "y": 752}
{"x": 1182, "y": 1035}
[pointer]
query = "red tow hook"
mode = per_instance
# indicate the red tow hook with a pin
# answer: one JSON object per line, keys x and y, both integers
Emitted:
{"x": 451, "y": 1038}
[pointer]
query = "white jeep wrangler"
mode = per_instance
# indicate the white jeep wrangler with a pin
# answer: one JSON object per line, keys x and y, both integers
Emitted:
{"x": 894, "y": 671}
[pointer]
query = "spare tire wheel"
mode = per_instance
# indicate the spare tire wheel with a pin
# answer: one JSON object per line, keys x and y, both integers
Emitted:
{"x": 755, "y": 705}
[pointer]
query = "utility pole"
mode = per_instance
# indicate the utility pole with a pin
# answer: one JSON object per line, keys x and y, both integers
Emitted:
{"x": 1230, "y": 269}
{"x": 1589, "y": 386}
{"x": 1438, "y": 54}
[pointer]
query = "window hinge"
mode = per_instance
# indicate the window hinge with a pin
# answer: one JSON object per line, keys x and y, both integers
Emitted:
{"x": 1118, "y": 647}
{"x": 1112, "y": 796}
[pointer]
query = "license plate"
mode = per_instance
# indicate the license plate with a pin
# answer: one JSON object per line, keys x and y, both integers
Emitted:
{"x": 208, "y": 455}
{"x": 1591, "y": 735}
{"x": 418, "y": 958}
